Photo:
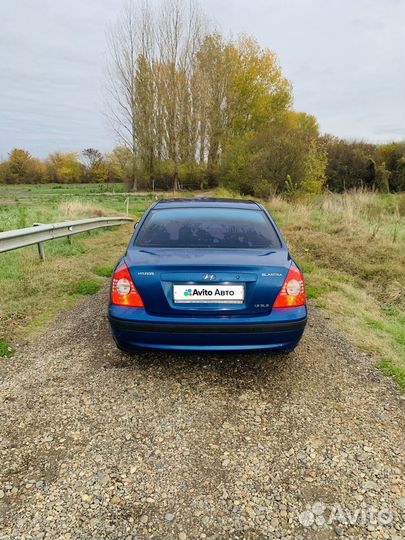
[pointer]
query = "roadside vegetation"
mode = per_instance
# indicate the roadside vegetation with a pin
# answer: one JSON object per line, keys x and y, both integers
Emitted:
{"x": 350, "y": 246}
{"x": 34, "y": 291}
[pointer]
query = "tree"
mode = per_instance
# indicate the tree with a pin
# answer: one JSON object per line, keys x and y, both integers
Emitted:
{"x": 180, "y": 33}
{"x": 370, "y": 173}
{"x": 92, "y": 157}
{"x": 243, "y": 91}
{"x": 22, "y": 168}
{"x": 259, "y": 93}
{"x": 315, "y": 167}
{"x": 284, "y": 154}
{"x": 393, "y": 154}
{"x": 236, "y": 164}
{"x": 349, "y": 164}
{"x": 95, "y": 169}
{"x": 401, "y": 173}
{"x": 64, "y": 168}
{"x": 180, "y": 94}
{"x": 213, "y": 80}
{"x": 382, "y": 178}
{"x": 128, "y": 40}
{"x": 145, "y": 126}
{"x": 120, "y": 165}
{"x": 149, "y": 79}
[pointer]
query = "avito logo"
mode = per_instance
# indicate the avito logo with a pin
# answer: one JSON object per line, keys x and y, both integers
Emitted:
{"x": 206, "y": 292}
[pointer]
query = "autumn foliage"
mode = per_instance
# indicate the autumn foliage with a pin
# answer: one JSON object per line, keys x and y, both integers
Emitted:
{"x": 192, "y": 109}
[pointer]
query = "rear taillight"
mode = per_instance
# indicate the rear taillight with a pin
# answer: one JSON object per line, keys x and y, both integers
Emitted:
{"x": 123, "y": 290}
{"x": 292, "y": 293}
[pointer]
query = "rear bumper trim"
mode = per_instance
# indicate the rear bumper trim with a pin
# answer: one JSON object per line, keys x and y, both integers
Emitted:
{"x": 220, "y": 328}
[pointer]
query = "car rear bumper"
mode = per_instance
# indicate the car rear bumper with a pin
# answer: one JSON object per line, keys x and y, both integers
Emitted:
{"x": 135, "y": 328}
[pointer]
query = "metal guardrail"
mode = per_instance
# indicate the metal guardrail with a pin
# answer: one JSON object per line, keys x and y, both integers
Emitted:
{"x": 40, "y": 233}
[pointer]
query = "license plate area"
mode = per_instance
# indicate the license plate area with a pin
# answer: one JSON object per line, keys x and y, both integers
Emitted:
{"x": 220, "y": 293}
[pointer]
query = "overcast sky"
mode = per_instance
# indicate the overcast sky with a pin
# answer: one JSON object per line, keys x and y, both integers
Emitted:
{"x": 345, "y": 59}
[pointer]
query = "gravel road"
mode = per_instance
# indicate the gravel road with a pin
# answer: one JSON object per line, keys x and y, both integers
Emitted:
{"x": 98, "y": 444}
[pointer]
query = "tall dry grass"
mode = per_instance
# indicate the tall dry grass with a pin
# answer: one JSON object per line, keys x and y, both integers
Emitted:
{"x": 76, "y": 208}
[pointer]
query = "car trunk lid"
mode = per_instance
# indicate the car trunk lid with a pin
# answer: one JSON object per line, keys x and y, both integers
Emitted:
{"x": 255, "y": 276}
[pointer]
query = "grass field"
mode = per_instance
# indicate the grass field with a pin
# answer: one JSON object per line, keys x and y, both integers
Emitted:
{"x": 33, "y": 291}
{"x": 351, "y": 247}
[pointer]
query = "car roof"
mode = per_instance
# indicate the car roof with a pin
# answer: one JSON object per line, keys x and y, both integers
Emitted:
{"x": 207, "y": 202}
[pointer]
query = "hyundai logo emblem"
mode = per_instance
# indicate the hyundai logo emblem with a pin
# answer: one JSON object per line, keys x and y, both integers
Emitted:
{"x": 209, "y": 277}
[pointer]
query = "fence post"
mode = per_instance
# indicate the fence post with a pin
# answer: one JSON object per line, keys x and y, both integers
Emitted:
{"x": 69, "y": 238}
{"x": 41, "y": 249}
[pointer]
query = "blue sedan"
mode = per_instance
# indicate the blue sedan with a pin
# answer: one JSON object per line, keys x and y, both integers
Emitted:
{"x": 207, "y": 274}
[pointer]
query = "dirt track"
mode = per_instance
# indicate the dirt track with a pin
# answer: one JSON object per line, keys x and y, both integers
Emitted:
{"x": 96, "y": 444}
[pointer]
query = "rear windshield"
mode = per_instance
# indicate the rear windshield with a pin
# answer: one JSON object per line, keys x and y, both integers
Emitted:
{"x": 208, "y": 228}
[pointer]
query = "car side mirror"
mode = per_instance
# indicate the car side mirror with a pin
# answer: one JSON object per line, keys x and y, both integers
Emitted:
{"x": 136, "y": 224}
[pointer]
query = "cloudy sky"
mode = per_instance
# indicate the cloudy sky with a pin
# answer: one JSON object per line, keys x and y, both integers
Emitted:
{"x": 345, "y": 59}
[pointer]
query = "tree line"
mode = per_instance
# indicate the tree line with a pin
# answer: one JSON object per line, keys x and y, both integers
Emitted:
{"x": 192, "y": 109}
{"x": 268, "y": 163}
{"x": 88, "y": 166}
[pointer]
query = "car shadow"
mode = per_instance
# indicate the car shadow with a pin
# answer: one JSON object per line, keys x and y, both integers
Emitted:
{"x": 239, "y": 369}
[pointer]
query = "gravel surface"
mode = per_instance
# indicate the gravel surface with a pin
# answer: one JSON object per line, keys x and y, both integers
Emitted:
{"x": 98, "y": 444}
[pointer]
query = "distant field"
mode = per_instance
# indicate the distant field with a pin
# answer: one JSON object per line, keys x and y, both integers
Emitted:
{"x": 22, "y": 205}
{"x": 351, "y": 247}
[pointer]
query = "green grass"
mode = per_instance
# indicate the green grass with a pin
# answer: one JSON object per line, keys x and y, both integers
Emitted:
{"x": 62, "y": 248}
{"x": 388, "y": 367}
{"x": 85, "y": 287}
{"x": 104, "y": 271}
{"x": 350, "y": 247}
{"x": 34, "y": 291}
{"x": 23, "y": 205}
{"x": 314, "y": 292}
{"x": 5, "y": 350}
